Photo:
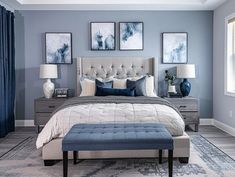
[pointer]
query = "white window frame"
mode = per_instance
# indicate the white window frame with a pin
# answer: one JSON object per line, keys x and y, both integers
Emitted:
{"x": 226, "y": 92}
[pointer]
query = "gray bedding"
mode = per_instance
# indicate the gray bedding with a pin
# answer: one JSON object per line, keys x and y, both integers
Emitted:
{"x": 115, "y": 99}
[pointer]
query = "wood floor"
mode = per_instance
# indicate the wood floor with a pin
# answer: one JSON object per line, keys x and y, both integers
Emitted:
{"x": 216, "y": 136}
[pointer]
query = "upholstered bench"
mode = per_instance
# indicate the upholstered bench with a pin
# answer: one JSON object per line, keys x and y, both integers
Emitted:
{"x": 95, "y": 137}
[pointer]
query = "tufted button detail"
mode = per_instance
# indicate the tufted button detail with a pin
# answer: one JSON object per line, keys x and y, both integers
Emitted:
{"x": 142, "y": 66}
{"x": 92, "y": 66}
{"x": 102, "y": 67}
{"x": 122, "y": 66}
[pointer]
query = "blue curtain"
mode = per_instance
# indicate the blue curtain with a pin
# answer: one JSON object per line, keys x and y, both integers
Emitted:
{"x": 7, "y": 72}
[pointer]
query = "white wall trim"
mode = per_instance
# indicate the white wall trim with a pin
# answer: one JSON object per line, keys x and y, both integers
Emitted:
{"x": 206, "y": 121}
{"x": 220, "y": 125}
{"x": 226, "y": 22}
{"x": 24, "y": 123}
{"x": 228, "y": 129}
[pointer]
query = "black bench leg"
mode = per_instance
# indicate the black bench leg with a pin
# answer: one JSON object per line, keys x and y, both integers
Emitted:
{"x": 160, "y": 156}
{"x": 65, "y": 163}
{"x": 75, "y": 157}
{"x": 170, "y": 162}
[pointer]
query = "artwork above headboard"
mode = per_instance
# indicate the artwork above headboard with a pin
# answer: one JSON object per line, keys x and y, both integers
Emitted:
{"x": 119, "y": 67}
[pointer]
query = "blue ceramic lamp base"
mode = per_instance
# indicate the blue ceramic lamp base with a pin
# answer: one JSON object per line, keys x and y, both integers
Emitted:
{"x": 185, "y": 87}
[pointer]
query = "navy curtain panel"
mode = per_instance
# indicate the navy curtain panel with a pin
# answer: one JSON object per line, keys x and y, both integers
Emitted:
{"x": 7, "y": 72}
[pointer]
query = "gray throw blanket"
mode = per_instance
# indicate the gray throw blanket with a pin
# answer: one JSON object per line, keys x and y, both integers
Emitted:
{"x": 115, "y": 99}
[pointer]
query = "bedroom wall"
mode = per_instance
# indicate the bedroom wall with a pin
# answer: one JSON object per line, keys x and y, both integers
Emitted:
{"x": 222, "y": 104}
{"x": 30, "y": 47}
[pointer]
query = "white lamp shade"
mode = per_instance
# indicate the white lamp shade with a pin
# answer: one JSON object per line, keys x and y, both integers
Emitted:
{"x": 48, "y": 71}
{"x": 186, "y": 71}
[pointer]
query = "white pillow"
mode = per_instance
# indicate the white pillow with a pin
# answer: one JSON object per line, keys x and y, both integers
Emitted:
{"x": 150, "y": 86}
{"x": 88, "y": 87}
{"x": 119, "y": 83}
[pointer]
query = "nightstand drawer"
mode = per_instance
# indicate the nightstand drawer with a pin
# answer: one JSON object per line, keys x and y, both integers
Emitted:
{"x": 47, "y": 106}
{"x": 190, "y": 117}
{"x": 42, "y": 118}
{"x": 185, "y": 105}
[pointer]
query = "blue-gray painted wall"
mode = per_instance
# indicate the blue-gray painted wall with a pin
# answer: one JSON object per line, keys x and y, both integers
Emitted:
{"x": 31, "y": 26}
{"x": 222, "y": 104}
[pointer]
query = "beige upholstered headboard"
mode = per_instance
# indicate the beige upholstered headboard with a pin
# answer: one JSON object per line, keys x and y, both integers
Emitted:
{"x": 119, "y": 67}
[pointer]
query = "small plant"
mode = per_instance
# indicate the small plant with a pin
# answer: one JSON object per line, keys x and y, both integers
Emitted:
{"x": 169, "y": 78}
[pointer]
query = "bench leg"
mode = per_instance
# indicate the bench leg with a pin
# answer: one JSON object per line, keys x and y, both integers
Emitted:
{"x": 75, "y": 157}
{"x": 170, "y": 162}
{"x": 160, "y": 156}
{"x": 65, "y": 163}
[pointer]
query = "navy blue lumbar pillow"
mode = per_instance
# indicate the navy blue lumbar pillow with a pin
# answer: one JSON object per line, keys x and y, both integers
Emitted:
{"x": 139, "y": 86}
{"x": 98, "y": 83}
{"x": 112, "y": 91}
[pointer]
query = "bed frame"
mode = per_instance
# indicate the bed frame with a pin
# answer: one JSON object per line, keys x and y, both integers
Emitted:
{"x": 120, "y": 67}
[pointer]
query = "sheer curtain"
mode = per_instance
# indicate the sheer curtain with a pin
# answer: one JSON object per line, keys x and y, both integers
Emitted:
{"x": 7, "y": 72}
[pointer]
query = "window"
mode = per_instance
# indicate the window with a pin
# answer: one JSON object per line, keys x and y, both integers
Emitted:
{"x": 230, "y": 56}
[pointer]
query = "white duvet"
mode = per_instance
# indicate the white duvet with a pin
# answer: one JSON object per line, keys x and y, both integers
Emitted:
{"x": 63, "y": 120}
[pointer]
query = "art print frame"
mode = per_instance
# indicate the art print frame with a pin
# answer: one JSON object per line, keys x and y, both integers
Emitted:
{"x": 175, "y": 50}
{"x": 52, "y": 41}
{"x": 138, "y": 44}
{"x": 108, "y": 32}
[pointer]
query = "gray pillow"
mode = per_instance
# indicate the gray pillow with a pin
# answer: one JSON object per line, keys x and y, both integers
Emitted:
{"x": 139, "y": 86}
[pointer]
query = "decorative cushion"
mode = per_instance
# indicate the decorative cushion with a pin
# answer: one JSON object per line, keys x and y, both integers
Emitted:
{"x": 150, "y": 92}
{"x": 98, "y": 83}
{"x": 88, "y": 87}
{"x": 112, "y": 91}
{"x": 119, "y": 83}
{"x": 139, "y": 86}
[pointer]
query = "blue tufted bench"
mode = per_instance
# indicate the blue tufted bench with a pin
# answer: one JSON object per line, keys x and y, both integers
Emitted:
{"x": 95, "y": 137}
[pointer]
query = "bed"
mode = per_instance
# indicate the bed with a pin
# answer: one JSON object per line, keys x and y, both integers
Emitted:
{"x": 50, "y": 139}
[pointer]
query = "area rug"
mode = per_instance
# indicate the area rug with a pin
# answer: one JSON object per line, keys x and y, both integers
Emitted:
{"x": 206, "y": 160}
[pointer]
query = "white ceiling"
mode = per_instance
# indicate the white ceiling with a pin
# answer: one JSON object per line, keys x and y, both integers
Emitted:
{"x": 113, "y": 4}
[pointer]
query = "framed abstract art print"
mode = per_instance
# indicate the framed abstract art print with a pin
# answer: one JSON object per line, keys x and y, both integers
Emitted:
{"x": 175, "y": 48}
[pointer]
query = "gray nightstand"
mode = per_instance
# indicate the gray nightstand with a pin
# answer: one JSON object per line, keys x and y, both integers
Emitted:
{"x": 43, "y": 108}
{"x": 189, "y": 108}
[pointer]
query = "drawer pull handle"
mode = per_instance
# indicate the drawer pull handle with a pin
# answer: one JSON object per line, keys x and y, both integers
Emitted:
{"x": 183, "y": 106}
{"x": 51, "y": 106}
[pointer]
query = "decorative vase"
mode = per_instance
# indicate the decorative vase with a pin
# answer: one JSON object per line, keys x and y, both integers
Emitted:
{"x": 48, "y": 88}
{"x": 185, "y": 87}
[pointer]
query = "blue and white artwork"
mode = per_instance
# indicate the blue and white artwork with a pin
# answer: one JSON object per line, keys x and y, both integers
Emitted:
{"x": 175, "y": 47}
{"x": 58, "y": 48}
{"x": 102, "y": 36}
{"x": 131, "y": 35}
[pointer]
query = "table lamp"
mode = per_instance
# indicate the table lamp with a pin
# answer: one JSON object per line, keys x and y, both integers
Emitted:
{"x": 185, "y": 71}
{"x": 48, "y": 71}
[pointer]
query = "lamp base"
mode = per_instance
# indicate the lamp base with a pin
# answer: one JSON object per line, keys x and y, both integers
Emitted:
{"x": 48, "y": 88}
{"x": 185, "y": 87}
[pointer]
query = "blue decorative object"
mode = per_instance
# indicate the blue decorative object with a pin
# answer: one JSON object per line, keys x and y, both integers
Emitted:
{"x": 185, "y": 87}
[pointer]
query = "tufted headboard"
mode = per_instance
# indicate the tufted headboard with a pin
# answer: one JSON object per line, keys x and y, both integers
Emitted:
{"x": 119, "y": 67}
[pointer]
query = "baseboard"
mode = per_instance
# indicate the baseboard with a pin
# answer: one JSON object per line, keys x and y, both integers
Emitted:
{"x": 206, "y": 121}
{"x": 228, "y": 129}
{"x": 24, "y": 123}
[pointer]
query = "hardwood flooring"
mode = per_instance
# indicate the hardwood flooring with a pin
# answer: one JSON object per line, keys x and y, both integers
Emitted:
{"x": 216, "y": 136}
{"x": 219, "y": 138}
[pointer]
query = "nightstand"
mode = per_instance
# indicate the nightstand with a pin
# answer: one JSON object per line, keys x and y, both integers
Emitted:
{"x": 43, "y": 109}
{"x": 189, "y": 108}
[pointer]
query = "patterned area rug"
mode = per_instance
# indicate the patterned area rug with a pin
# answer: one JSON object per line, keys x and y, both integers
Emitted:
{"x": 206, "y": 160}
